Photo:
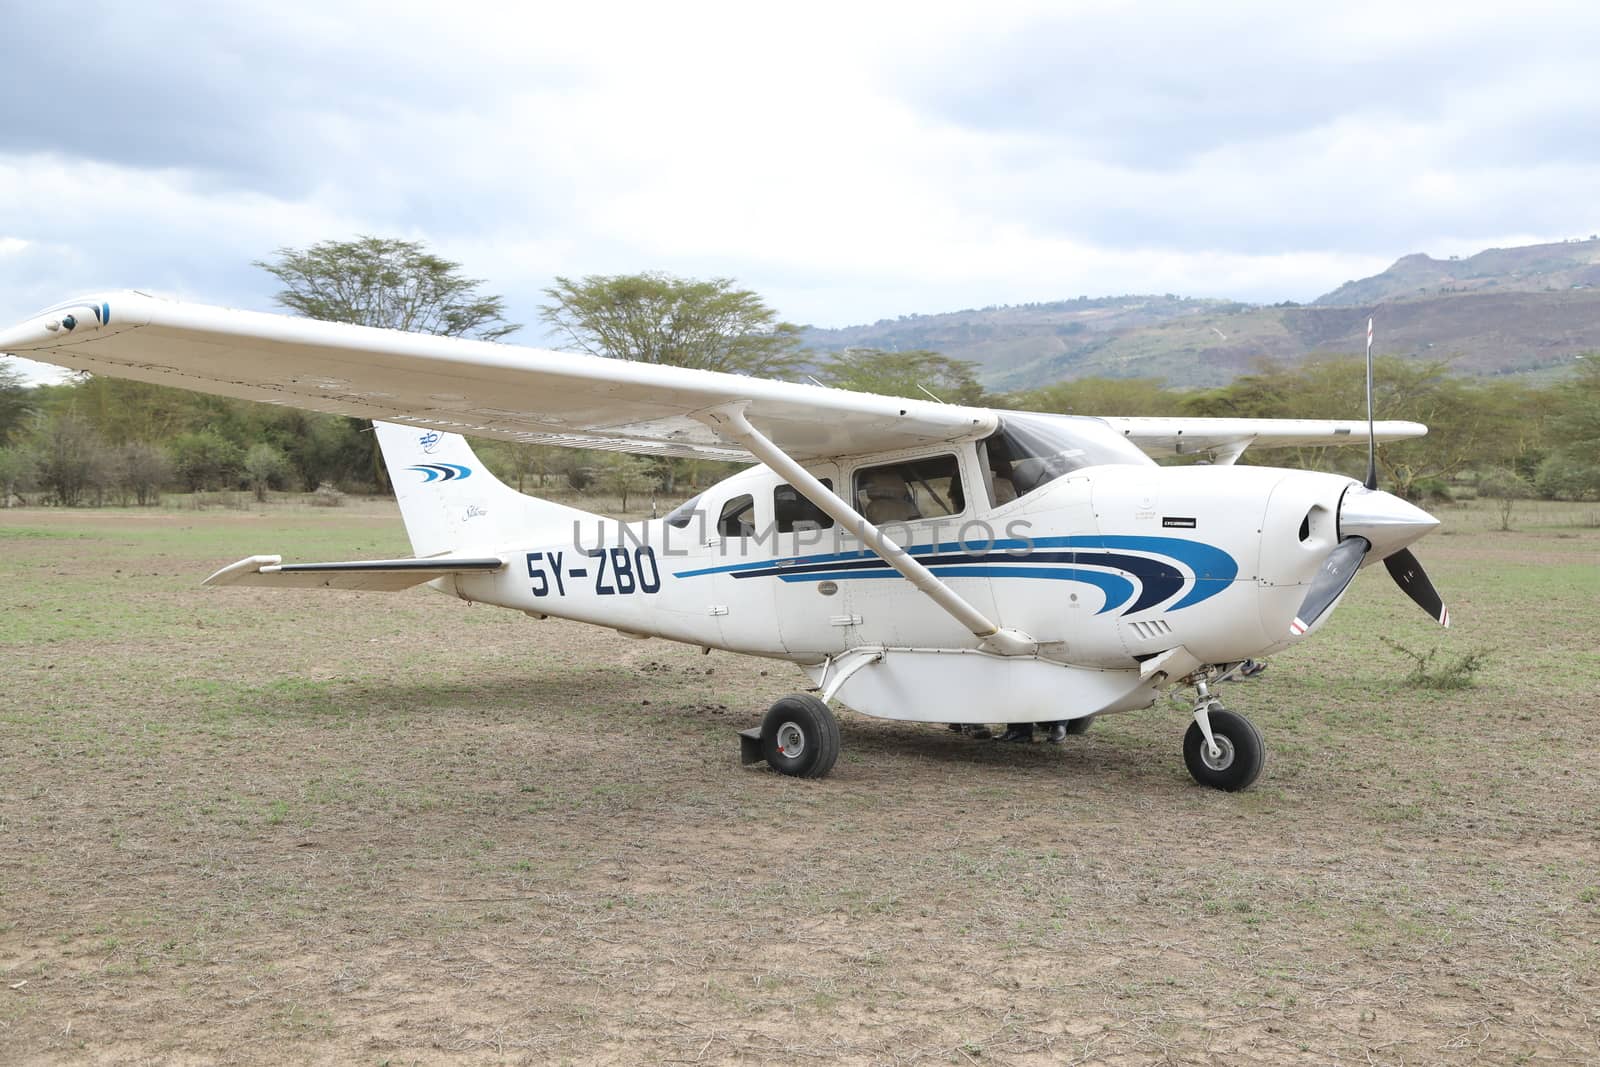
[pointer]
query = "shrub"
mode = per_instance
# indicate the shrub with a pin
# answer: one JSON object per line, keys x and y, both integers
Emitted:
{"x": 327, "y": 496}
{"x": 142, "y": 469}
{"x": 18, "y": 470}
{"x": 205, "y": 459}
{"x": 1428, "y": 672}
{"x": 1432, "y": 491}
{"x": 1505, "y": 487}
{"x": 264, "y": 466}
{"x": 1565, "y": 476}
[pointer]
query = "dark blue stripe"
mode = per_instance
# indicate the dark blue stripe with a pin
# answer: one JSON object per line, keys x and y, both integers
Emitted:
{"x": 1158, "y": 580}
{"x": 1116, "y": 588}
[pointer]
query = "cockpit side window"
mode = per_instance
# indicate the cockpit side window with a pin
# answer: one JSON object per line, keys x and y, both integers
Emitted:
{"x": 794, "y": 512}
{"x": 738, "y": 518}
{"x": 909, "y": 490}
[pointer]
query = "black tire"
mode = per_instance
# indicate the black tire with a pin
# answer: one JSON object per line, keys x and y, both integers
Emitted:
{"x": 802, "y": 722}
{"x": 1243, "y": 752}
{"x": 1079, "y": 726}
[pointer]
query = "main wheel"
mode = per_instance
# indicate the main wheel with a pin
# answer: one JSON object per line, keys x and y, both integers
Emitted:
{"x": 1242, "y": 757}
{"x": 800, "y": 737}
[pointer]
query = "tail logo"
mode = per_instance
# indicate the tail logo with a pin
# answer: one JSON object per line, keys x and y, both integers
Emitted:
{"x": 429, "y": 441}
{"x": 441, "y": 472}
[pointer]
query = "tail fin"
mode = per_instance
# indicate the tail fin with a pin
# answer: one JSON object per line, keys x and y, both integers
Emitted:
{"x": 452, "y": 503}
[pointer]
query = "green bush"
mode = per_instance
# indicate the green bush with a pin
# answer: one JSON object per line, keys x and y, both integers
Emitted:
{"x": 1429, "y": 672}
{"x": 1566, "y": 476}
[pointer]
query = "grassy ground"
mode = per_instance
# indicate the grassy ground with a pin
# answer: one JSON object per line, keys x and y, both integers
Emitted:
{"x": 238, "y": 826}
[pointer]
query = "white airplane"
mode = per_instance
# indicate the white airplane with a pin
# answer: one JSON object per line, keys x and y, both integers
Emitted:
{"x": 919, "y": 561}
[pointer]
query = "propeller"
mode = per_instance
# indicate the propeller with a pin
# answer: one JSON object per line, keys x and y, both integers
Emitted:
{"x": 1337, "y": 572}
{"x": 1408, "y": 574}
{"x": 1371, "y": 518}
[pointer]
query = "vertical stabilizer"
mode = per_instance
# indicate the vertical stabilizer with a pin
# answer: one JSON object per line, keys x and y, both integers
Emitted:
{"x": 452, "y": 503}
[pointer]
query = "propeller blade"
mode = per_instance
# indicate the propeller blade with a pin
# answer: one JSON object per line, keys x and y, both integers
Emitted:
{"x": 1337, "y": 572}
{"x": 1408, "y": 574}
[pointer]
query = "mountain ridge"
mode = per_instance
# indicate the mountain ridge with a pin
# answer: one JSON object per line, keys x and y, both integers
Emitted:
{"x": 1517, "y": 311}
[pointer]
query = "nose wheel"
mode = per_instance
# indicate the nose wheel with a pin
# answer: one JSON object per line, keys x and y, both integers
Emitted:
{"x": 1222, "y": 748}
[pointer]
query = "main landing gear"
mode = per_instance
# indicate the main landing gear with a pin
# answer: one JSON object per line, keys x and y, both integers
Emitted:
{"x": 1223, "y": 749}
{"x": 799, "y": 737}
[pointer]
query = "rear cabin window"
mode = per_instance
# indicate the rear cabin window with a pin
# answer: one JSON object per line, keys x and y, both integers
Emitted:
{"x": 794, "y": 512}
{"x": 910, "y": 490}
{"x": 738, "y": 518}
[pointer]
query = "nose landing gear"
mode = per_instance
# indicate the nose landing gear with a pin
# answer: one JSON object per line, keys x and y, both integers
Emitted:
{"x": 1222, "y": 749}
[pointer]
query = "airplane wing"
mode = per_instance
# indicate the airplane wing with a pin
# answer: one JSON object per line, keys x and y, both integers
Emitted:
{"x": 1228, "y": 438}
{"x": 378, "y": 575}
{"x": 466, "y": 386}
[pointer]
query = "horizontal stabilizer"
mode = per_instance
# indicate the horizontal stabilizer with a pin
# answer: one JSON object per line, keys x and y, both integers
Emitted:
{"x": 379, "y": 575}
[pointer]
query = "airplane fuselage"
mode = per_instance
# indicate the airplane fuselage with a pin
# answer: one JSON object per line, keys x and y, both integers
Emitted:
{"x": 1106, "y": 568}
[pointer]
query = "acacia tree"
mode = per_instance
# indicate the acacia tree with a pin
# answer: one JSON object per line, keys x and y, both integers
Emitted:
{"x": 205, "y": 459}
{"x": 515, "y": 459}
{"x": 623, "y": 474}
{"x": 1572, "y": 470}
{"x": 916, "y": 373}
{"x": 71, "y": 458}
{"x": 16, "y": 403}
{"x": 143, "y": 469}
{"x": 380, "y": 281}
{"x": 1100, "y": 396}
{"x": 264, "y": 465}
{"x": 18, "y": 467}
{"x": 660, "y": 318}
{"x": 1505, "y": 487}
{"x": 1463, "y": 422}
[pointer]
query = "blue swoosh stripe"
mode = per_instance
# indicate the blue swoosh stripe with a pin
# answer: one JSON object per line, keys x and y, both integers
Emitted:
{"x": 433, "y": 472}
{"x": 1213, "y": 568}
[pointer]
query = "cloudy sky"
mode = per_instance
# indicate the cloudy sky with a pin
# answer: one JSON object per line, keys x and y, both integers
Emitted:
{"x": 848, "y": 161}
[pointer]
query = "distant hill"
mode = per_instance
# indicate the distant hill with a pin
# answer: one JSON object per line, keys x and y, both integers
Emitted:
{"x": 1524, "y": 311}
{"x": 1531, "y": 268}
{"x": 1010, "y": 341}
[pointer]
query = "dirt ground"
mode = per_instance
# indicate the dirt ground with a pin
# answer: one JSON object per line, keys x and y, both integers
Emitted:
{"x": 240, "y": 826}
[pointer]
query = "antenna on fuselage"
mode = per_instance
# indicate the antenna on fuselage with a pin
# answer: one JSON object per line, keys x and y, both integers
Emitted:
{"x": 1372, "y": 434}
{"x": 930, "y": 393}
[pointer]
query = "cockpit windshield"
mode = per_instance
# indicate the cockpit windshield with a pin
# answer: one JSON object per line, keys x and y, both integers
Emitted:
{"x": 1029, "y": 451}
{"x": 683, "y": 514}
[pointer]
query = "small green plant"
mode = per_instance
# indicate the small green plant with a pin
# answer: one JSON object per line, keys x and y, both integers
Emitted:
{"x": 1428, "y": 671}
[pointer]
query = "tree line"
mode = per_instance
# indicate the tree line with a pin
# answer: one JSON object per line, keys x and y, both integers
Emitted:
{"x": 102, "y": 440}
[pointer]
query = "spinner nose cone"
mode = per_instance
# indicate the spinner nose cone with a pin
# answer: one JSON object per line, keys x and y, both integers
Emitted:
{"x": 1382, "y": 518}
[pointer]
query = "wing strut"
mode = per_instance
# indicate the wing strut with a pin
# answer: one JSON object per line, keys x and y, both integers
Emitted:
{"x": 729, "y": 422}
